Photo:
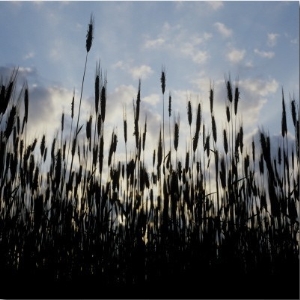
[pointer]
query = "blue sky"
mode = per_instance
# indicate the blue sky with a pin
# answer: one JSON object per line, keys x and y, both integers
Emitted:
{"x": 198, "y": 43}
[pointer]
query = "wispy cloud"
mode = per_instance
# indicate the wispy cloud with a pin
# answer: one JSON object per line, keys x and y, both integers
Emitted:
{"x": 174, "y": 39}
{"x": 264, "y": 54}
{"x": 154, "y": 43}
{"x": 223, "y": 30}
{"x": 29, "y": 55}
{"x": 236, "y": 55}
{"x": 295, "y": 41}
{"x": 272, "y": 39}
{"x": 152, "y": 99}
{"x": 260, "y": 87}
{"x": 142, "y": 71}
{"x": 215, "y": 5}
{"x": 136, "y": 72}
{"x": 200, "y": 57}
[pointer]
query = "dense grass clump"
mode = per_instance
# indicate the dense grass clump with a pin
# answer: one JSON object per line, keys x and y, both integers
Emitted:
{"x": 226, "y": 217}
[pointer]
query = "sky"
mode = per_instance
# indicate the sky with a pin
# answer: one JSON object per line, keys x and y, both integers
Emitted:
{"x": 199, "y": 45}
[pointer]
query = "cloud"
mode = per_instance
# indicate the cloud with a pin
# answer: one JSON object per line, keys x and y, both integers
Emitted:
{"x": 264, "y": 53}
{"x": 259, "y": 86}
{"x": 174, "y": 39}
{"x": 152, "y": 99}
{"x": 45, "y": 109}
{"x": 142, "y": 71}
{"x": 119, "y": 65}
{"x": 249, "y": 64}
{"x": 190, "y": 50}
{"x": 55, "y": 52}
{"x": 29, "y": 55}
{"x": 272, "y": 39}
{"x": 236, "y": 55}
{"x": 137, "y": 72}
{"x": 215, "y": 5}
{"x": 23, "y": 74}
{"x": 223, "y": 30}
{"x": 154, "y": 43}
{"x": 200, "y": 57}
{"x": 295, "y": 41}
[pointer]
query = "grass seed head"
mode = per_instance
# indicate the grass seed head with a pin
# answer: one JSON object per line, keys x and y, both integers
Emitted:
{"x": 190, "y": 112}
{"x": 283, "y": 120}
{"x": 89, "y": 35}
{"x": 163, "y": 80}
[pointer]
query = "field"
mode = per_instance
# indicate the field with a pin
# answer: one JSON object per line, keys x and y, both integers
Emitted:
{"x": 223, "y": 223}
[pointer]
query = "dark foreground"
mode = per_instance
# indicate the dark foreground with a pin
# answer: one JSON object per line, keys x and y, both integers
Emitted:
{"x": 215, "y": 284}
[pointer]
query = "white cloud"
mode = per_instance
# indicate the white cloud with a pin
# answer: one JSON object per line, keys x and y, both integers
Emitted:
{"x": 137, "y": 72}
{"x": 295, "y": 41}
{"x": 223, "y": 30}
{"x": 152, "y": 99}
{"x": 189, "y": 50}
{"x": 142, "y": 71}
{"x": 207, "y": 36}
{"x": 264, "y": 53}
{"x": 56, "y": 52}
{"x": 119, "y": 65}
{"x": 236, "y": 55}
{"x": 175, "y": 39}
{"x": 29, "y": 55}
{"x": 272, "y": 39}
{"x": 155, "y": 43}
{"x": 249, "y": 64}
{"x": 260, "y": 87}
{"x": 200, "y": 57}
{"x": 215, "y": 5}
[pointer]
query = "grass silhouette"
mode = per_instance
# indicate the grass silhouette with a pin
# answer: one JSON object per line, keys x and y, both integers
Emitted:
{"x": 170, "y": 233}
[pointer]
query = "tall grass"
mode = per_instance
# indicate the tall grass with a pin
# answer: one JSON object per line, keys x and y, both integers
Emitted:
{"x": 174, "y": 224}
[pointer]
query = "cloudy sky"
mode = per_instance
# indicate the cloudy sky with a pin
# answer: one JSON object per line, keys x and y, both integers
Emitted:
{"x": 198, "y": 43}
